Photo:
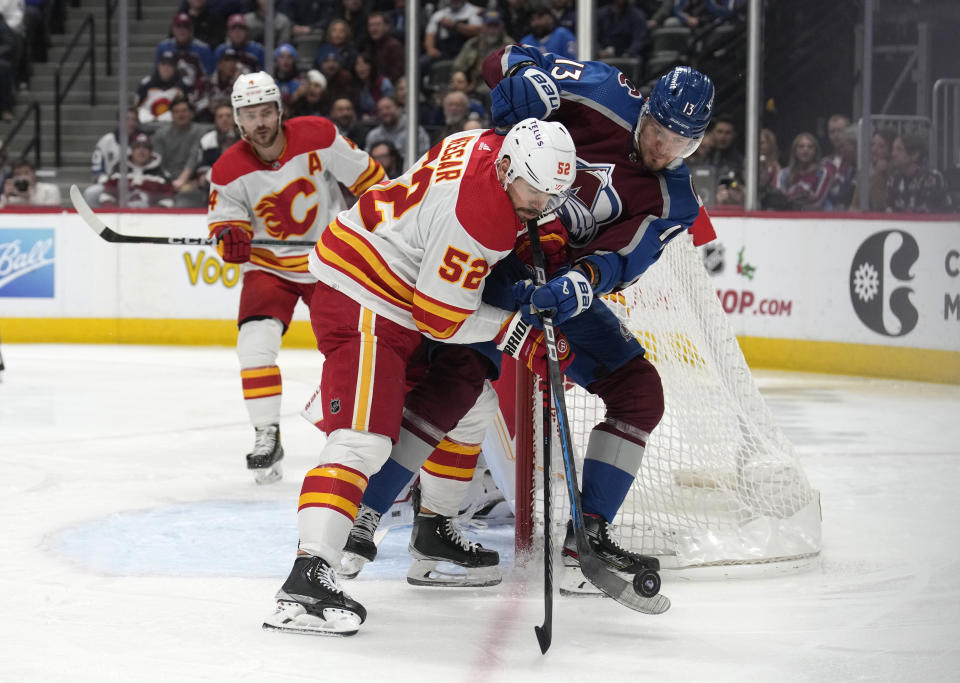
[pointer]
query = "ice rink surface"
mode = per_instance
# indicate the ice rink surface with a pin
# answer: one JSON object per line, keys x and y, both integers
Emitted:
{"x": 135, "y": 546}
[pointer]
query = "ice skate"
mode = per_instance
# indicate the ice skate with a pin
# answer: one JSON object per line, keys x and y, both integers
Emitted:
{"x": 437, "y": 540}
{"x": 311, "y": 601}
{"x": 572, "y": 580}
{"x": 360, "y": 547}
{"x": 264, "y": 459}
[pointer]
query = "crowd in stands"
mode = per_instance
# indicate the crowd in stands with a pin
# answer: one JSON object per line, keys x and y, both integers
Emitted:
{"x": 806, "y": 179}
{"x": 345, "y": 59}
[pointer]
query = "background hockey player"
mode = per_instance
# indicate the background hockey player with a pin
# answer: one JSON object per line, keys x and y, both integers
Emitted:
{"x": 408, "y": 261}
{"x": 632, "y": 195}
{"x": 278, "y": 182}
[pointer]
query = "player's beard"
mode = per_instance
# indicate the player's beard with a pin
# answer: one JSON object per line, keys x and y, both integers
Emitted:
{"x": 527, "y": 213}
{"x": 651, "y": 164}
{"x": 264, "y": 136}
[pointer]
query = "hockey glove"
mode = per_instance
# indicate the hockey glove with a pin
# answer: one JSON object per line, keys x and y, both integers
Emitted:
{"x": 562, "y": 298}
{"x": 553, "y": 241}
{"x": 530, "y": 93}
{"x": 234, "y": 246}
{"x": 522, "y": 341}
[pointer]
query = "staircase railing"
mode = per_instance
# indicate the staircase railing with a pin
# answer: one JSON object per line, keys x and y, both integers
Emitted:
{"x": 60, "y": 93}
{"x": 34, "y": 142}
{"x": 110, "y": 7}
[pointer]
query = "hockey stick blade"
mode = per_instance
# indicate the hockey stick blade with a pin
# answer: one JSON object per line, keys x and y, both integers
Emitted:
{"x": 615, "y": 586}
{"x": 101, "y": 228}
{"x": 594, "y": 569}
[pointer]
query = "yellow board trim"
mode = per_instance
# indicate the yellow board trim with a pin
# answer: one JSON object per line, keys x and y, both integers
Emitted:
{"x": 863, "y": 360}
{"x": 926, "y": 365}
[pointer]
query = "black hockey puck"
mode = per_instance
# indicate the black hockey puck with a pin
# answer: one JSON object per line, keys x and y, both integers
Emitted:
{"x": 646, "y": 583}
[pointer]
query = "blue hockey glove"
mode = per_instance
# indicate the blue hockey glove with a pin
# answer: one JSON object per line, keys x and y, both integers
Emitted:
{"x": 562, "y": 298}
{"x": 530, "y": 93}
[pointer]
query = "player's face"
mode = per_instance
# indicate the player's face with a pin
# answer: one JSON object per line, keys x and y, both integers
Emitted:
{"x": 528, "y": 202}
{"x": 659, "y": 146}
{"x": 260, "y": 123}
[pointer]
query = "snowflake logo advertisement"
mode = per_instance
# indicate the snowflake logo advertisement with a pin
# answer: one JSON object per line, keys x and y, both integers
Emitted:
{"x": 26, "y": 263}
{"x": 881, "y": 263}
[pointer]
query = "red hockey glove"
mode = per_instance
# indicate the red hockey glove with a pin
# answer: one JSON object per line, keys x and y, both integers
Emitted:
{"x": 234, "y": 243}
{"x": 553, "y": 240}
{"x": 524, "y": 342}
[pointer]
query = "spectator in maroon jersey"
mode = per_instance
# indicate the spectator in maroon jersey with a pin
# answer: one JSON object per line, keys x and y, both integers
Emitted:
{"x": 913, "y": 187}
{"x": 844, "y": 162}
{"x": 148, "y": 185}
{"x": 387, "y": 50}
{"x": 768, "y": 169}
{"x": 805, "y": 181}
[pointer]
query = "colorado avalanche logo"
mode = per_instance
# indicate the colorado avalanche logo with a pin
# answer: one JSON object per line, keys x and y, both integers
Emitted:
{"x": 277, "y": 210}
{"x": 593, "y": 202}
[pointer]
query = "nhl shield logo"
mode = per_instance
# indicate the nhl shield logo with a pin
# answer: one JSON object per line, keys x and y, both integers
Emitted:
{"x": 335, "y": 406}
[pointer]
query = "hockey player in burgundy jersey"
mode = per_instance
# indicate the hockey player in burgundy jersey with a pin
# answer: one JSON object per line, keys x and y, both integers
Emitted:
{"x": 279, "y": 182}
{"x": 408, "y": 261}
{"x": 632, "y": 195}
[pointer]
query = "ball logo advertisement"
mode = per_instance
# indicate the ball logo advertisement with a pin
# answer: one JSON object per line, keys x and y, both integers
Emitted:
{"x": 880, "y": 282}
{"x": 27, "y": 263}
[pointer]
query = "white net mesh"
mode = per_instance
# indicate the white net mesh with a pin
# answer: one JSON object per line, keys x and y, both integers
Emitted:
{"x": 719, "y": 484}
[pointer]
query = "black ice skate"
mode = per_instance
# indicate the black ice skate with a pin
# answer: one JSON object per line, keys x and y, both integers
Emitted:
{"x": 311, "y": 601}
{"x": 437, "y": 540}
{"x": 264, "y": 459}
{"x": 606, "y": 549}
{"x": 360, "y": 547}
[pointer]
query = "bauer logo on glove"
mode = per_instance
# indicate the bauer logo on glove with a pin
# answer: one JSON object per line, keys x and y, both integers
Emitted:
{"x": 562, "y": 298}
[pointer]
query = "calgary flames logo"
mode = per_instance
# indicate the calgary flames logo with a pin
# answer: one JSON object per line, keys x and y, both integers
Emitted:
{"x": 276, "y": 210}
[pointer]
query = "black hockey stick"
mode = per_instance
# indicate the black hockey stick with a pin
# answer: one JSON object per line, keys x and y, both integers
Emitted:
{"x": 594, "y": 569}
{"x": 545, "y": 632}
{"x": 101, "y": 228}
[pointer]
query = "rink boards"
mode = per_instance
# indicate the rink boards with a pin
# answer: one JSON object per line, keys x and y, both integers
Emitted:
{"x": 876, "y": 296}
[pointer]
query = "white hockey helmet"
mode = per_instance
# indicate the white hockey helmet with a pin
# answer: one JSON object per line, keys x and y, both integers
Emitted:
{"x": 255, "y": 88}
{"x": 543, "y": 154}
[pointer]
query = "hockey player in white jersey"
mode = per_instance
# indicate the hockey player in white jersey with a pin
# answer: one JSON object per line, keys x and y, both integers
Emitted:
{"x": 408, "y": 261}
{"x": 279, "y": 182}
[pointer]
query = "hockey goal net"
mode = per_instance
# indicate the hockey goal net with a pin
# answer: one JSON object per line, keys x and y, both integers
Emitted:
{"x": 720, "y": 484}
